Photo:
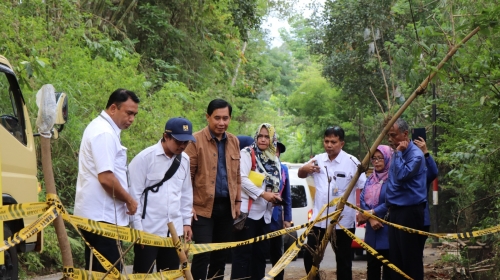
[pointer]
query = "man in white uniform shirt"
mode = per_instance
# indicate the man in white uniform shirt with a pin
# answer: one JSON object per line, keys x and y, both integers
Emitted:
{"x": 163, "y": 199}
{"x": 102, "y": 187}
{"x": 341, "y": 167}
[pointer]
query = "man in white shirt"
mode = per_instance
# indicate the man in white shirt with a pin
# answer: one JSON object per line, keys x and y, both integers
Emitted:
{"x": 163, "y": 199}
{"x": 102, "y": 187}
{"x": 341, "y": 167}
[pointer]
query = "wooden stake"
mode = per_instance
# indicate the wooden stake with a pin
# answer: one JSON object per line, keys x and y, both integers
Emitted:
{"x": 182, "y": 255}
{"x": 50, "y": 186}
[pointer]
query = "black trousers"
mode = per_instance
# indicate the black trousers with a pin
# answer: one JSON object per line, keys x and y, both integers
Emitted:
{"x": 166, "y": 258}
{"x": 104, "y": 245}
{"x": 424, "y": 237}
{"x": 249, "y": 261}
{"x": 217, "y": 229}
{"x": 405, "y": 249}
{"x": 374, "y": 266}
{"x": 341, "y": 247}
{"x": 275, "y": 253}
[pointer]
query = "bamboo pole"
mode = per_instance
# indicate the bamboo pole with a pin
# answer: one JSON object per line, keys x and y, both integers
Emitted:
{"x": 117, "y": 261}
{"x": 50, "y": 185}
{"x": 182, "y": 255}
{"x": 364, "y": 164}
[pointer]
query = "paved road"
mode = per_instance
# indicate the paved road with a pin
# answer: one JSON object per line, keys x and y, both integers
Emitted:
{"x": 431, "y": 255}
{"x": 327, "y": 263}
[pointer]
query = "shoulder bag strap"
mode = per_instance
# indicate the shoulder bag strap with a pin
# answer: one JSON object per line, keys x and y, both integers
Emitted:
{"x": 154, "y": 188}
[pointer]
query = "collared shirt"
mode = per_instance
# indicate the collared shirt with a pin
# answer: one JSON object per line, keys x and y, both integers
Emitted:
{"x": 221, "y": 189}
{"x": 174, "y": 200}
{"x": 260, "y": 207}
{"x": 342, "y": 169}
{"x": 407, "y": 178}
{"x": 100, "y": 151}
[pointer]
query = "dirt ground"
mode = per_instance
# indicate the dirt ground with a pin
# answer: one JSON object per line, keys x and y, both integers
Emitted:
{"x": 295, "y": 273}
{"x": 431, "y": 270}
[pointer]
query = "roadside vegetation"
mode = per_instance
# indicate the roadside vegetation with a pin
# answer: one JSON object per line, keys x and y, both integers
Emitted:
{"x": 351, "y": 63}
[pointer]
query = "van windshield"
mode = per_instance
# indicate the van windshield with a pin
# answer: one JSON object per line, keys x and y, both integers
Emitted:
{"x": 299, "y": 198}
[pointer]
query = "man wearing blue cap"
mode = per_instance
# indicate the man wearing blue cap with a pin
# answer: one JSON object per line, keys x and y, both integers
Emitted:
{"x": 160, "y": 180}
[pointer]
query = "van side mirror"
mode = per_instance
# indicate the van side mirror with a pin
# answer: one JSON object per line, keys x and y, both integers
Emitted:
{"x": 61, "y": 114}
{"x": 61, "y": 108}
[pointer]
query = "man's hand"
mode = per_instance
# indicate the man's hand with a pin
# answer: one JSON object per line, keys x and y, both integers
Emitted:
{"x": 188, "y": 233}
{"x": 312, "y": 168}
{"x": 420, "y": 142}
{"x": 287, "y": 224}
{"x": 194, "y": 215}
{"x": 237, "y": 209}
{"x": 376, "y": 225}
{"x": 402, "y": 146}
{"x": 131, "y": 206}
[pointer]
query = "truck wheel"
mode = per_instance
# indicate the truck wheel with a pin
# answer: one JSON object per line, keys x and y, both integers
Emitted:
{"x": 10, "y": 269}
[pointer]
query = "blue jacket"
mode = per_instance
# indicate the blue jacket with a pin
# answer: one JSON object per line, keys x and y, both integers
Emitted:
{"x": 276, "y": 219}
{"x": 407, "y": 178}
{"x": 377, "y": 239}
{"x": 432, "y": 172}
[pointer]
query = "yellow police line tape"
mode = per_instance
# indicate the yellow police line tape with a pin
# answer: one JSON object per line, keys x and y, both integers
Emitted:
{"x": 294, "y": 249}
{"x": 126, "y": 234}
{"x": 131, "y": 235}
{"x": 19, "y": 211}
{"x": 469, "y": 234}
{"x": 47, "y": 218}
{"x": 104, "y": 262}
{"x": 43, "y": 221}
{"x": 374, "y": 252}
{"x": 80, "y": 274}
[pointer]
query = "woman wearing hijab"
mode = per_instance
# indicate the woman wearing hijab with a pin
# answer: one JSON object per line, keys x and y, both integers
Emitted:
{"x": 372, "y": 198}
{"x": 258, "y": 201}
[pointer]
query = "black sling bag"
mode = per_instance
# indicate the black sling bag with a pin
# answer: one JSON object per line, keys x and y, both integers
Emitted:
{"x": 154, "y": 188}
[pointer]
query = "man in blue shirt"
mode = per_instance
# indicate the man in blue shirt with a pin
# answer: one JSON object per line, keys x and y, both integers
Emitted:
{"x": 432, "y": 173}
{"x": 406, "y": 198}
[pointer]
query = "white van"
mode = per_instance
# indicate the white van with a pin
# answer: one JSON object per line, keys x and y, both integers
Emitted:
{"x": 302, "y": 201}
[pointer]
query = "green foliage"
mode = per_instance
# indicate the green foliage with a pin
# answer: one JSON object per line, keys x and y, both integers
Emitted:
{"x": 178, "y": 55}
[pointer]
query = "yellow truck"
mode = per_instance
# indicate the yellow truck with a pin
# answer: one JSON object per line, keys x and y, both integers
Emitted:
{"x": 18, "y": 164}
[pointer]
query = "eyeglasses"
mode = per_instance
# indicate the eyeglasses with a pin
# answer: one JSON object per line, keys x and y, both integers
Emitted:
{"x": 179, "y": 143}
{"x": 375, "y": 159}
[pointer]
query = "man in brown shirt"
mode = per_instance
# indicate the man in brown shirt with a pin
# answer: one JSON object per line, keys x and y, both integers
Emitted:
{"x": 215, "y": 174}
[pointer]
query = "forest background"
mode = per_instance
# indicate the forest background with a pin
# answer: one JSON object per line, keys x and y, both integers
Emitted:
{"x": 351, "y": 63}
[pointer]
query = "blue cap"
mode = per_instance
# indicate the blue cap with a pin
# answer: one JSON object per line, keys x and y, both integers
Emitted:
{"x": 180, "y": 128}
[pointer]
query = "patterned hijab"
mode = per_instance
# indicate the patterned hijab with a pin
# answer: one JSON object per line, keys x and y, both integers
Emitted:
{"x": 267, "y": 161}
{"x": 376, "y": 180}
